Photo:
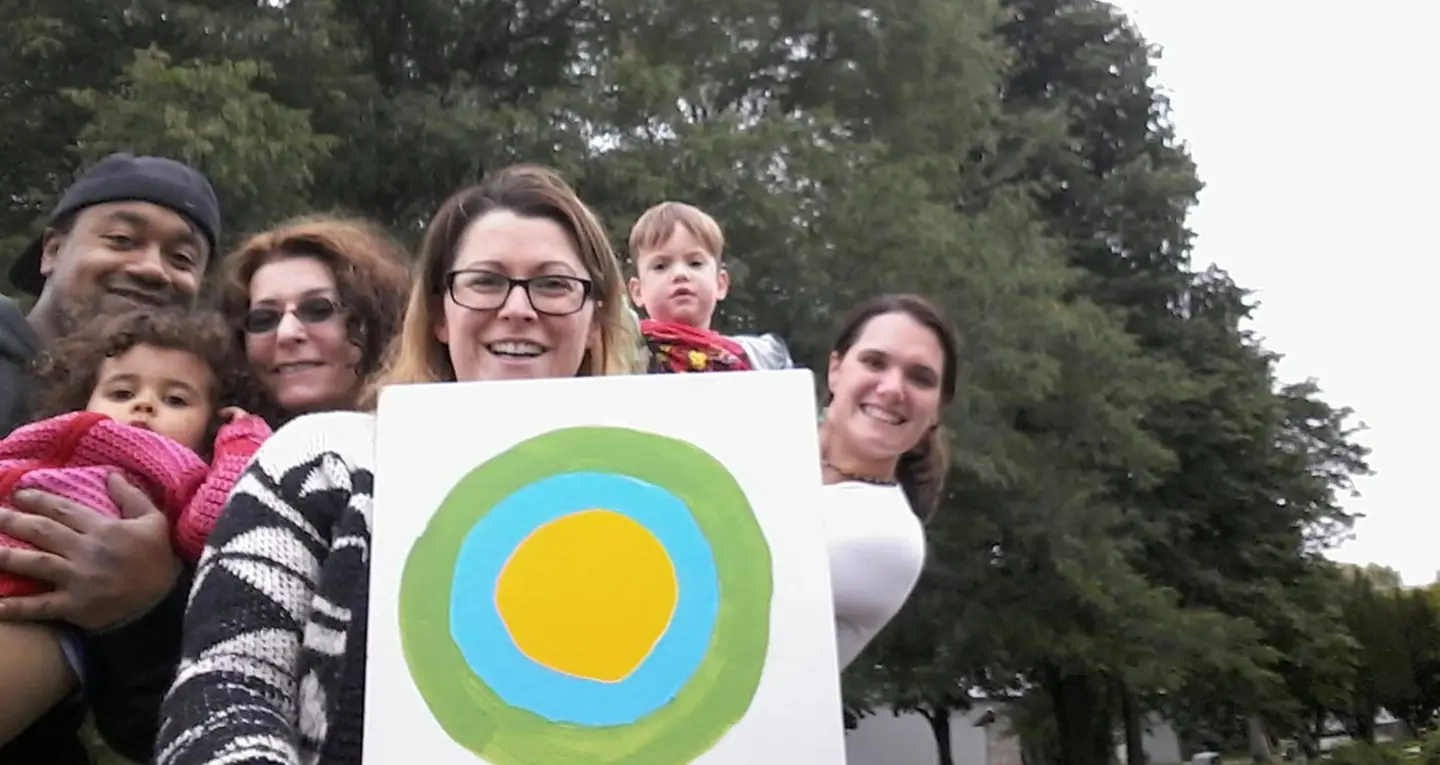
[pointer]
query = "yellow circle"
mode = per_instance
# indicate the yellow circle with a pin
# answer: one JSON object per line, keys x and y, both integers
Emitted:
{"x": 588, "y": 595}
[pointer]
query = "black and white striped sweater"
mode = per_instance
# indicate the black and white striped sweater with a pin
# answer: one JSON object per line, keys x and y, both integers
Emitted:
{"x": 273, "y": 663}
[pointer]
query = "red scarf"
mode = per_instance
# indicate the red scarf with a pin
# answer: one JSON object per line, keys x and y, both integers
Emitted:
{"x": 680, "y": 348}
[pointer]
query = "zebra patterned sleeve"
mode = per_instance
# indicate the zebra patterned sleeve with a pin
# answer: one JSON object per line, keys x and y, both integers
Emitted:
{"x": 264, "y": 649}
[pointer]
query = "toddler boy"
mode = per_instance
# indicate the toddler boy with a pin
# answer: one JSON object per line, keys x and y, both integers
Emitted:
{"x": 679, "y": 278}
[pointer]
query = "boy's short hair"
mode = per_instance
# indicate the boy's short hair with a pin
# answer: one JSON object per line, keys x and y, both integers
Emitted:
{"x": 657, "y": 224}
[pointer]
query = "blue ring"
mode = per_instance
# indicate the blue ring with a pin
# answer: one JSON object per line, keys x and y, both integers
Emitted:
{"x": 484, "y": 642}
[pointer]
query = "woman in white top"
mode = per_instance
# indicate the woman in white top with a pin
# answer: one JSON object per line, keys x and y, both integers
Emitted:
{"x": 892, "y": 371}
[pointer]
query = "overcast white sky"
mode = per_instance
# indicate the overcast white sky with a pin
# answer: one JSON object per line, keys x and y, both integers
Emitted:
{"x": 1314, "y": 126}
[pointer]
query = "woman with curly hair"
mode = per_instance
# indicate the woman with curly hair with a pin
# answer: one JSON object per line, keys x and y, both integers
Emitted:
{"x": 147, "y": 395}
{"x": 314, "y": 302}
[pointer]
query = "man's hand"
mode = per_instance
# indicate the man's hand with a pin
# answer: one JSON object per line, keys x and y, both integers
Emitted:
{"x": 232, "y": 413}
{"x": 106, "y": 571}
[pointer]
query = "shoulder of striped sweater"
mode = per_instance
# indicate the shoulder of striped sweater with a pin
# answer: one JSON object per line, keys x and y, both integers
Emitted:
{"x": 348, "y": 434}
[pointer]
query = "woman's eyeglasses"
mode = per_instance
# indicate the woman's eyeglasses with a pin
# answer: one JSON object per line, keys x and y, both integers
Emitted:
{"x": 481, "y": 290}
{"x": 265, "y": 319}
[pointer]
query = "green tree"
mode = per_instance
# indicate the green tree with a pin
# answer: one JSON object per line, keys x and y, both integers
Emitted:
{"x": 259, "y": 154}
{"x": 1137, "y": 507}
{"x": 1398, "y": 632}
{"x": 1233, "y": 525}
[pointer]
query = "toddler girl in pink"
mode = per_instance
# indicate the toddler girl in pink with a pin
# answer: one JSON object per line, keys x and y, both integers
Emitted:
{"x": 142, "y": 395}
{"x": 148, "y": 387}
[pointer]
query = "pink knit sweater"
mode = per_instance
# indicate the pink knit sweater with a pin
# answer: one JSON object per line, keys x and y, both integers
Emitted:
{"x": 72, "y": 454}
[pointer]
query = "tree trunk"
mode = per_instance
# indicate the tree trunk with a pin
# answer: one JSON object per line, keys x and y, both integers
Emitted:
{"x": 940, "y": 726}
{"x": 1362, "y": 725}
{"x": 1311, "y": 735}
{"x": 1258, "y": 740}
{"x": 1033, "y": 755}
{"x": 1083, "y": 722}
{"x": 1413, "y": 722}
{"x": 1134, "y": 728}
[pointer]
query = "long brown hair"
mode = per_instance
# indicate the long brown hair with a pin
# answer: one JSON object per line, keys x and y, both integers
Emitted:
{"x": 529, "y": 191}
{"x": 371, "y": 275}
{"x": 922, "y": 470}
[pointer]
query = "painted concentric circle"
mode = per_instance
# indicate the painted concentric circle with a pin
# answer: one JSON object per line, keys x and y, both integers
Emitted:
{"x": 594, "y": 593}
{"x": 480, "y": 630}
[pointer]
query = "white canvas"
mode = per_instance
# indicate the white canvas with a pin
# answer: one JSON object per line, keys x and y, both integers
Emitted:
{"x": 759, "y": 425}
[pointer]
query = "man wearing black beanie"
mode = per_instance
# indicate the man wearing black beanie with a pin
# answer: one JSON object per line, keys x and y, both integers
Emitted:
{"x": 131, "y": 232}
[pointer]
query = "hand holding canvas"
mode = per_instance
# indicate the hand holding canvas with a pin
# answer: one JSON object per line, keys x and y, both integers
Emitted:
{"x": 105, "y": 571}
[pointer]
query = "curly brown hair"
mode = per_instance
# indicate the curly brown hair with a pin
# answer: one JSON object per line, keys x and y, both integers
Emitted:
{"x": 371, "y": 274}
{"x": 68, "y": 371}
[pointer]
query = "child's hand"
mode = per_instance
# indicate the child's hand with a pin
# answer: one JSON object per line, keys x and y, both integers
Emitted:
{"x": 232, "y": 413}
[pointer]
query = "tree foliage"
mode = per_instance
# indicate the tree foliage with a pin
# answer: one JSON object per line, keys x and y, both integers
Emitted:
{"x": 1138, "y": 508}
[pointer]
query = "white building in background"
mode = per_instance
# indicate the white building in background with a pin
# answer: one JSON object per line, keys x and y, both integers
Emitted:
{"x": 980, "y": 736}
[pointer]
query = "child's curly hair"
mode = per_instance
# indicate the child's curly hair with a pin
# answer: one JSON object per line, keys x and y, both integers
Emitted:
{"x": 67, "y": 372}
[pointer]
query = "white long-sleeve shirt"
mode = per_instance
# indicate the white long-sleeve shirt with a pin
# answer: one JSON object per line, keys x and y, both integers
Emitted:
{"x": 877, "y": 548}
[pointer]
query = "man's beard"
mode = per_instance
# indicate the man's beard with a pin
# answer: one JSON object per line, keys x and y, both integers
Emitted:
{"x": 72, "y": 315}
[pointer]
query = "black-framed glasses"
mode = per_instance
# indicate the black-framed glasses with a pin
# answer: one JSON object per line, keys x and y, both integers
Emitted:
{"x": 552, "y": 295}
{"x": 312, "y": 310}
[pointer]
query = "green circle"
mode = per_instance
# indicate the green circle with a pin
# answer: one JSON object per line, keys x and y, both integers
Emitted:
{"x": 716, "y": 696}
